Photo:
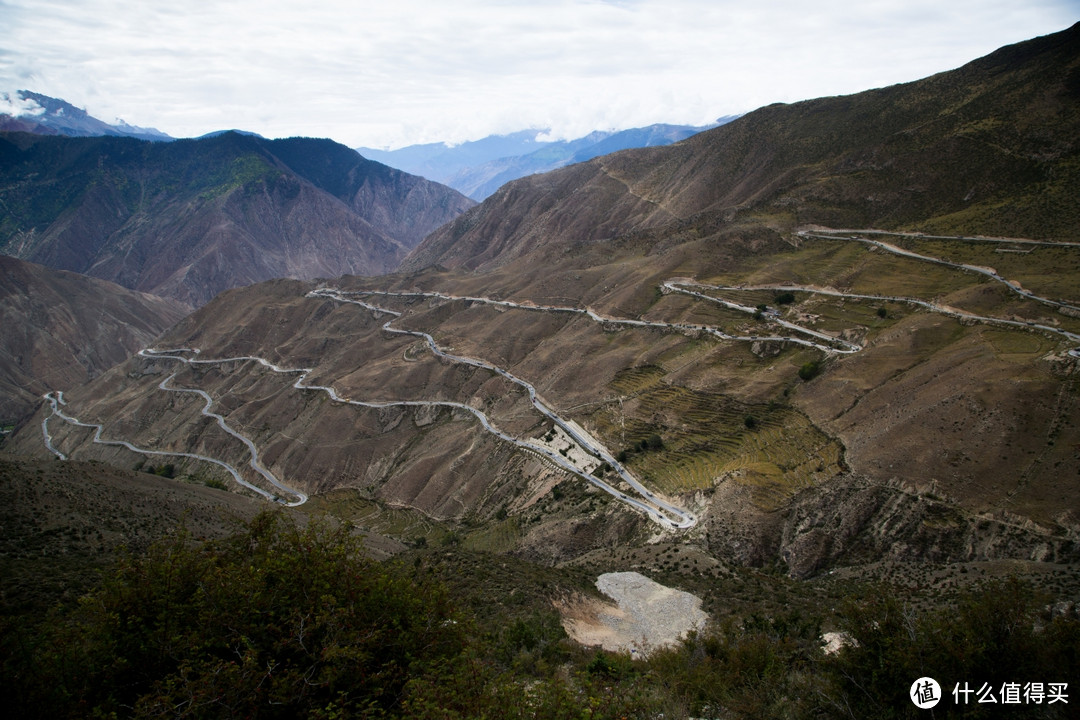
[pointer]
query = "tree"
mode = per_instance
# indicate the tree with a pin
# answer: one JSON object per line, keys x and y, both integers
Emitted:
{"x": 810, "y": 370}
{"x": 273, "y": 621}
{"x": 785, "y": 298}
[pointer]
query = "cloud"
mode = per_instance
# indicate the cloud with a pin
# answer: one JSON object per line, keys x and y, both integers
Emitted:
{"x": 377, "y": 73}
{"x": 12, "y": 104}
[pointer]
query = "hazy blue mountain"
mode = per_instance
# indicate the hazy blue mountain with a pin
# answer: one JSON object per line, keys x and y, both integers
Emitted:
{"x": 51, "y": 116}
{"x": 478, "y": 168}
{"x": 445, "y": 160}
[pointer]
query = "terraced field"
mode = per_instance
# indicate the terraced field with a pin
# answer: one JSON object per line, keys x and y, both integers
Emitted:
{"x": 709, "y": 437}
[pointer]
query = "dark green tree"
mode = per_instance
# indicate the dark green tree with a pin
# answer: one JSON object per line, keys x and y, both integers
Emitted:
{"x": 810, "y": 370}
{"x": 273, "y": 621}
{"x": 785, "y": 298}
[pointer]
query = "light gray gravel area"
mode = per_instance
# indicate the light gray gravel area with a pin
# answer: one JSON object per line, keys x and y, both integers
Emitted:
{"x": 646, "y": 615}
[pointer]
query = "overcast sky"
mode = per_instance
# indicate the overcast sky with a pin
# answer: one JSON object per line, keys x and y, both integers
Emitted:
{"x": 388, "y": 73}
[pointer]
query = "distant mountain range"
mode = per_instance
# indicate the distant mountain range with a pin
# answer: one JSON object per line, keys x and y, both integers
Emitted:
{"x": 44, "y": 115}
{"x": 190, "y": 218}
{"x": 478, "y": 168}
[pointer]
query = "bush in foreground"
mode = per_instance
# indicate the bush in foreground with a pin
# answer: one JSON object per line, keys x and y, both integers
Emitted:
{"x": 274, "y": 621}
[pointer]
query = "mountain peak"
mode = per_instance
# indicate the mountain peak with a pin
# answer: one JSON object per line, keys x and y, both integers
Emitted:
{"x": 43, "y": 115}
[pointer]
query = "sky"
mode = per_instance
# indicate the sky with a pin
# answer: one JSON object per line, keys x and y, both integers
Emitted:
{"x": 389, "y": 73}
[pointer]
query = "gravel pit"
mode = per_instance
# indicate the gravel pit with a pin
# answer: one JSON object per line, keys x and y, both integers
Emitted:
{"x": 645, "y": 615}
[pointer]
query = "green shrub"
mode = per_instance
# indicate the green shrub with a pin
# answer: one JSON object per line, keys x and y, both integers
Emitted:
{"x": 994, "y": 635}
{"x": 810, "y": 370}
{"x": 274, "y": 621}
{"x": 785, "y": 298}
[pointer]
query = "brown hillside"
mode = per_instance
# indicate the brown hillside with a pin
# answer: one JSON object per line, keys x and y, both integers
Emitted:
{"x": 190, "y": 218}
{"x": 62, "y": 329}
{"x": 990, "y": 148}
{"x": 936, "y": 417}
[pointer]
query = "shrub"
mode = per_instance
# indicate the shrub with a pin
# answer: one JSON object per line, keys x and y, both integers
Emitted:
{"x": 785, "y": 298}
{"x": 274, "y": 621}
{"x": 993, "y": 635}
{"x": 810, "y": 370}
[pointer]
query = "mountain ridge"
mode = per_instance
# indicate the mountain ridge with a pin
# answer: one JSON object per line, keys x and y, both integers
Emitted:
{"x": 478, "y": 168}
{"x": 62, "y": 329}
{"x": 787, "y": 164}
{"x": 190, "y": 218}
{"x": 53, "y": 116}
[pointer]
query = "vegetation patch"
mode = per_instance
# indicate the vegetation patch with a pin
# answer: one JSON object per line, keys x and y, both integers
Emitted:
{"x": 703, "y": 435}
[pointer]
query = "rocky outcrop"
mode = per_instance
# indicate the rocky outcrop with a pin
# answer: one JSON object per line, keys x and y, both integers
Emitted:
{"x": 850, "y": 521}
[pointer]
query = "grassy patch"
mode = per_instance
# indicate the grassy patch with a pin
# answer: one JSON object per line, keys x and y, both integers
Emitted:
{"x": 405, "y": 523}
{"x": 1018, "y": 346}
{"x": 705, "y": 435}
{"x": 497, "y": 537}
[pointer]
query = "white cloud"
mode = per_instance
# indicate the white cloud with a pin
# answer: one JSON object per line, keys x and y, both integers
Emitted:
{"x": 383, "y": 73}
{"x": 12, "y": 104}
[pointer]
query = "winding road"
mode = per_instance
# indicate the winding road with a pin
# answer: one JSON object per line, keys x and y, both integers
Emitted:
{"x": 658, "y": 509}
{"x": 978, "y": 269}
{"x": 56, "y": 399}
{"x": 655, "y": 507}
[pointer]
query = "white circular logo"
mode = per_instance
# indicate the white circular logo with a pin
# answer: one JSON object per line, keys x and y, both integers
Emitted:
{"x": 925, "y": 693}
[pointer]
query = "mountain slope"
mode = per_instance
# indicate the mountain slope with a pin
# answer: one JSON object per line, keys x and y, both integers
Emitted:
{"x": 990, "y": 147}
{"x": 62, "y": 329}
{"x": 191, "y": 218}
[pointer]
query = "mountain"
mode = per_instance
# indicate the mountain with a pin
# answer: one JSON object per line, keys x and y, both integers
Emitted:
{"x": 191, "y": 218}
{"x": 654, "y": 363}
{"x": 660, "y": 359}
{"x": 435, "y": 160}
{"x": 989, "y": 148}
{"x": 480, "y": 167}
{"x": 44, "y": 115}
{"x": 62, "y": 329}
